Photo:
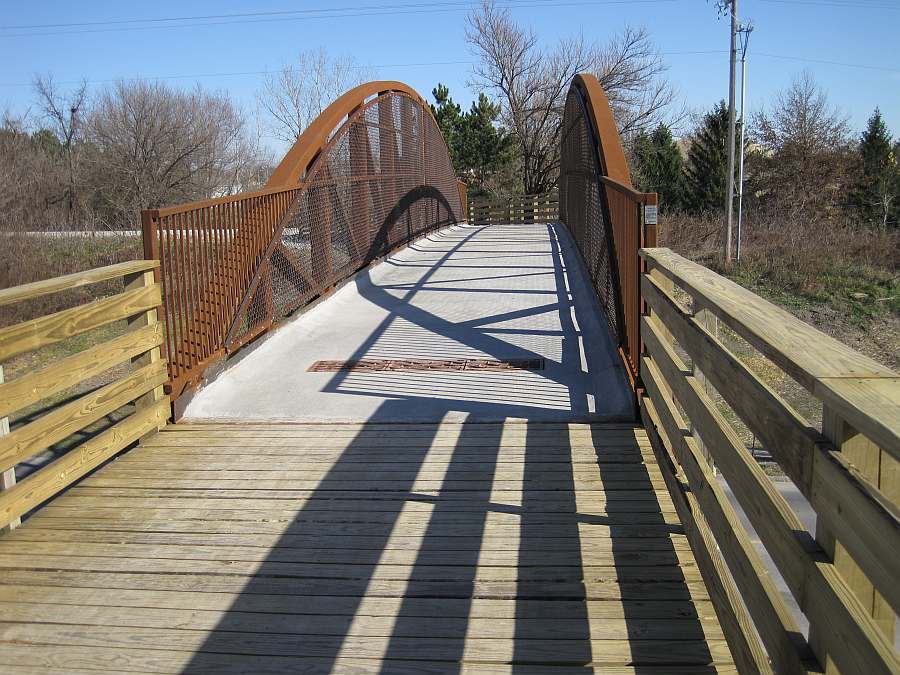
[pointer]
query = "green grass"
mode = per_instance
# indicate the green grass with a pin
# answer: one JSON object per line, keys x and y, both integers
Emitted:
{"x": 858, "y": 293}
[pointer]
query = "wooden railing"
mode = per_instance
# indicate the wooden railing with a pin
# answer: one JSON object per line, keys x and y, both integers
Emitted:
{"x": 138, "y": 344}
{"x": 542, "y": 208}
{"x": 846, "y": 578}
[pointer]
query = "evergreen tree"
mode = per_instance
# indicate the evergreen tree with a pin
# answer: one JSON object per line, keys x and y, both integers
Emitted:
{"x": 449, "y": 118}
{"x": 481, "y": 151}
{"x": 706, "y": 172}
{"x": 660, "y": 165}
{"x": 484, "y": 149}
{"x": 878, "y": 183}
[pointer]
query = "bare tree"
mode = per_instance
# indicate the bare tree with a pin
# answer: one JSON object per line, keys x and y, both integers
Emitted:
{"x": 152, "y": 145}
{"x": 631, "y": 71}
{"x": 295, "y": 95}
{"x": 531, "y": 83}
{"x": 805, "y": 147}
{"x": 64, "y": 112}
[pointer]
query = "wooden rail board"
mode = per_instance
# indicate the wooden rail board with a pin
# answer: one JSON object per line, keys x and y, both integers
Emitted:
{"x": 507, "y": 548}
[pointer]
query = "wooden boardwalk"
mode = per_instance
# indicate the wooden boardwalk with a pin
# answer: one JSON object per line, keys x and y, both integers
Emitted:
{"x": 526, "y": 548}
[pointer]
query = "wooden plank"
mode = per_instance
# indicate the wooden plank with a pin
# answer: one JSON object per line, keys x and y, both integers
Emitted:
{"x": 381, "y": 525}
{"x": 35, "y": 386}
{"x": 476, "y": 441}
{"x": 771, "y": 615}
{"x": 804, "y": 353}
{"x": 67, "y": 659}
{"x": 46, "y": 482}
{"x": 595, "y": 556}
{"x": 684, "y": 592}
{"x": 71, "y": 417}
{"x": 701, "y": 611}
{"x": 546, "y": 651}
{"x": 158, "y": 565}
{"x": 576, "y": 626}
{"x": 866, "y": 458}
{"x": 825, "y": 598}
{"x": 622, "y": 500}
{"x": 40, "y": 530}
{"x": 136, "y": 324}
{"x": 36, "y": 289}
{"x": 53, "y": 328}
{"x": 871, "y": 405}
{"x": 276, "y": 484}
{"x": 844, "y": 500}
{"x": 744, "y": 645}
{"x": 635, "y": 511}
{"x": 8, "y": 477}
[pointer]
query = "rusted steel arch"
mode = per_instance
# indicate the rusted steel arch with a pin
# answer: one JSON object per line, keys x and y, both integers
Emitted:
{"x": 369, "y": 175}
{"x": 603, "y": 211}
{"x": 294, "y": 165}
{"x": 610, "y": 152}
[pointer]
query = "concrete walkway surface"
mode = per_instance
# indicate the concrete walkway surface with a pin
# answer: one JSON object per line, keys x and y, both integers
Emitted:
{"x": 464, "y": 292}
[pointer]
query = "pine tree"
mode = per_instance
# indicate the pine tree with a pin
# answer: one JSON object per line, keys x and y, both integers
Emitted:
{"x": 661, "y": 166}
{"x": 878, "y": 184}
{"x": 449, "y": 118}
{"x": 481, "y": 151}
{"x": 484, "y": 149}
{"x": 706, "y": 171}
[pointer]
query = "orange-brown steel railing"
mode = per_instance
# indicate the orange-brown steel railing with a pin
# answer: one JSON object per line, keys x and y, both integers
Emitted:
{"x": 605, "y": 214}
{"x": 370, "y": 174}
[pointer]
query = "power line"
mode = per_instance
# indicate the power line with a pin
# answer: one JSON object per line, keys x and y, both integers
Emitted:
{"x": 185, "y": 76}
{"x": 309, "y": 14}
{"x": 835, "y": 3}
{"x": 829, "y": 63}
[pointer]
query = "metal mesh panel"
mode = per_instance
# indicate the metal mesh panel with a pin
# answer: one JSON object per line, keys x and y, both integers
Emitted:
{"x": 232, "y": 266}
{"x": 584, "y": 210}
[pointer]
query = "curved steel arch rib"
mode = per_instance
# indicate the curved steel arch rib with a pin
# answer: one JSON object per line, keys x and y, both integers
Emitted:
{"x": 369, "y": 175}
{"x": 603, "y": 211}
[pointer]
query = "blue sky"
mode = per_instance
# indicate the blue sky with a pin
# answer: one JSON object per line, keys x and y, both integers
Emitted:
{"x": 424, "y": 43}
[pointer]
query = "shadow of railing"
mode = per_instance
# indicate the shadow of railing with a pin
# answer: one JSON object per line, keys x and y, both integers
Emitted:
{"x": 471, "y": 547}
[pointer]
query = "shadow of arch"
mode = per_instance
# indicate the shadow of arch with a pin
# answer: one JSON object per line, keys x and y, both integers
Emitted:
{"x": 404, "y": 207}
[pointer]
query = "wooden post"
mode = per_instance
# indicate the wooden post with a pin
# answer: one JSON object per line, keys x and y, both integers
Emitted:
{"x": 9, "y": 476}
{"x": 148, "y": 318}
{"x": 881, "y": 470}
{"x": 711, "y": 323}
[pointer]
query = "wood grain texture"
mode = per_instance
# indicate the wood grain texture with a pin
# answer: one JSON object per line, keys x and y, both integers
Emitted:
{"x": 848, "y": 503}
{"x": 36, "y": 289}
{"x": 67, "y": 419}
{"x": 826, "y": 367}
{"x": 35, "y": 386}
{"x": 822, "y": 594}
{"x": 549, "y": 554}
{"x": 48, "y": 330}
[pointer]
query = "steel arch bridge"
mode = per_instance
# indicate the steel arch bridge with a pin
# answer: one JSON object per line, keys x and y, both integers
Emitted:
{"x": 360, "y": 425}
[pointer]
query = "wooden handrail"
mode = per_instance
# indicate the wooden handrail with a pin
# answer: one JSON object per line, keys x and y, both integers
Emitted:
{"x": 861, "y": 389}
{"x": 139, "y": 344}
{"x": 36, "y": 289}
{"x": 846, "y": 580}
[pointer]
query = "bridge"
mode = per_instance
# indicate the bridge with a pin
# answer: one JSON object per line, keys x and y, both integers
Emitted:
{"x": 352, "y": 423}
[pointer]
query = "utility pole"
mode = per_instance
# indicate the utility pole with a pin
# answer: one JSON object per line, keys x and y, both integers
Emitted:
{"x": 744, "y": 31}
{"x": 729, "y": 198}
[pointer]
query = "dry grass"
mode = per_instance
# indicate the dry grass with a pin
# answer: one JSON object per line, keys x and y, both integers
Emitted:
{"x": 840, "y": 278}
{"x": 33, "y": 257}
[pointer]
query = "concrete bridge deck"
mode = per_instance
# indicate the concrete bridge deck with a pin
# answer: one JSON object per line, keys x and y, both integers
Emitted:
{"x": 494, "y": 292}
